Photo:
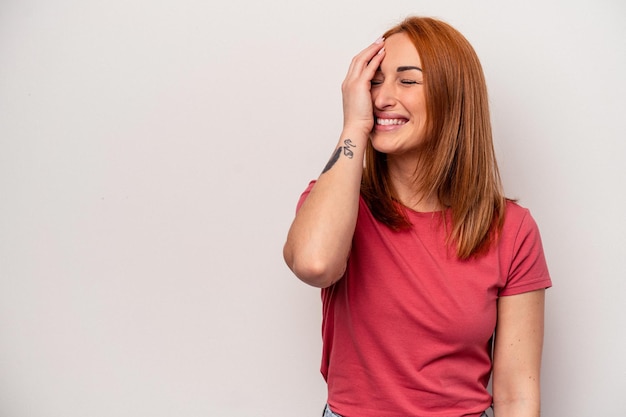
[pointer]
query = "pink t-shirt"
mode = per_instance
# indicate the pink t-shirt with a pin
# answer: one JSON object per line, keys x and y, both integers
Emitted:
{"x": 408, "y": 330}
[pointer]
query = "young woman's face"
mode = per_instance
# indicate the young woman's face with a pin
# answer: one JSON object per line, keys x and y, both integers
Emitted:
{"x": 398, "y": 99}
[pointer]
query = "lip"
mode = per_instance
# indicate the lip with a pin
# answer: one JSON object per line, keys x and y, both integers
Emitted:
{"x": 387, "y": 115}
{"x": 390, "y": 127}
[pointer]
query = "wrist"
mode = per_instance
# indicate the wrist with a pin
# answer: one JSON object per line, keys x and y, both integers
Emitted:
{"x": 358, "y": 136}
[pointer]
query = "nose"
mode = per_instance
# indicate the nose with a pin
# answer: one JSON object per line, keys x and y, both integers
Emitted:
{"x": 383, "y": 95}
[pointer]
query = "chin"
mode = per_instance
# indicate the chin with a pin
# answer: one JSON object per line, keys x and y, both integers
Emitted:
{"x": 376, "y": 144}
{"x": 384, "y": 143}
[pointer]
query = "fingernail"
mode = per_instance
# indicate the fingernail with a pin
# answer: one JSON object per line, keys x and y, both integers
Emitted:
{"x": 381, "y": 50}
{"x": 380, "y": 40}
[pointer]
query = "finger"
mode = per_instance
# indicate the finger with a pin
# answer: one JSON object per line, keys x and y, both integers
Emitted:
{"x": 366, "y": 71}
{"x": 365, "y": 56}
{"x": 374, "y": 64}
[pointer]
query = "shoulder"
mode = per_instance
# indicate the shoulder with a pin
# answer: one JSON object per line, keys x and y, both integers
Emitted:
{"x": 522, "y": 251}
{"x": 514, "y": 212}
{"x": 517, "y": 219}
{"x": 519, "y": 228}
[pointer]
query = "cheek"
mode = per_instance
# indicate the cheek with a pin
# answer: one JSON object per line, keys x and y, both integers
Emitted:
{"x": 419, "y": 109}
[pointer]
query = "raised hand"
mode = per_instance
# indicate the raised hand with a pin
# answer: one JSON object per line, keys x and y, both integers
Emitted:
{"x": 357, "y": 101}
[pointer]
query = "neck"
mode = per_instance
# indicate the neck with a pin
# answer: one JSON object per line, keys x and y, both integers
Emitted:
{"x": 408, "y": 190}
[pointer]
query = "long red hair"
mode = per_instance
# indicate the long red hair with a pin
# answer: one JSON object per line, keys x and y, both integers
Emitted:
{"x": 458, "y": 164}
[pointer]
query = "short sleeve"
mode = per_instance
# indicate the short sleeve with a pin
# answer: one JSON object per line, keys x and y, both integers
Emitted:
{"x": 528, "y": 269}
{"x": 305, "y": 194}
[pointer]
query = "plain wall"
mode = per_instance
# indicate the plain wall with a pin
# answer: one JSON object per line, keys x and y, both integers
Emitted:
{"x": 151, "y": 156}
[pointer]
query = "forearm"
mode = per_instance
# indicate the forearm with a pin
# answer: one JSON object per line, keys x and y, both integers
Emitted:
{"x": 519, "y": 407}
{"x": 320, "y": 238}
{"x": 517, "y": 355}
{"x": 516, "y": 388}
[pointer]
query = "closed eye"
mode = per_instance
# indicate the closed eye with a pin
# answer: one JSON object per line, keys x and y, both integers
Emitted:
{"x": 409, "y": 82}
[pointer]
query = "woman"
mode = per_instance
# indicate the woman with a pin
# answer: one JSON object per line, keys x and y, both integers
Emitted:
{"x": 431, "y": 279}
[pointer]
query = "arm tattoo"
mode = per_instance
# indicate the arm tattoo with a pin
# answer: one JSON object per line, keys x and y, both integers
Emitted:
{"x": 346, "y": 151}
{"x": 332, "y": 160}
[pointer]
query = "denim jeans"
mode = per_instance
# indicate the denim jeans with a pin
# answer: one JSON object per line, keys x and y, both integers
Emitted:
{"x": 328, "y": 413}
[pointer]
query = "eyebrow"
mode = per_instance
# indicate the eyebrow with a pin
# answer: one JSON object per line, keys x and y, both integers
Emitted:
{"x": 406, "y": 68}
{"x": 403, "y": 68}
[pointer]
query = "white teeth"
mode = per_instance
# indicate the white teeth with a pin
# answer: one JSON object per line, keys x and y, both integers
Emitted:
{"x": 387, "y": 122}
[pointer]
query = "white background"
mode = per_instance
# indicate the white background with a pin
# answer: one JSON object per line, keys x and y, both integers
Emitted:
{"x": 151, "y": 156}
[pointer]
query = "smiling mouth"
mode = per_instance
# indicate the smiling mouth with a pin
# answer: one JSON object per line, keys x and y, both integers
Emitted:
{"x": 390, "y": 122}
